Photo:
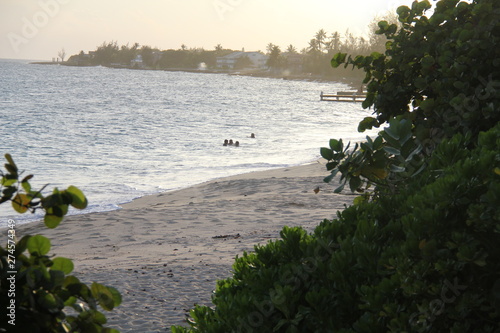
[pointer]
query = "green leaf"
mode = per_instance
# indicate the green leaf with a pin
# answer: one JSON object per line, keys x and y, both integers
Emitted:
{"x": 326, "y": 153}
{"x": 50, "y": 303}
{"x": 22, "y": 245}
{"x": 52, "y": 220}
{"x": 117, "y": 297}
{"x": 329, "y": 178}
{"x": 70, "y": 301}
{"x": 367, "y": 123}
{"x": 39, "y": 245}
{"x": 8, "y": 181}
{"x": 69, "y": 280}
{"x": 9, "y": 159}
{"x": 79, "y": 199}
{"x": 20, "y": 203}
{"x": 62, "y": 264}
{"x": 354, "y": 184}
{"x": 339, "y": 189}
{"x": 338, "y": 59}
{"x": 103, "y": 296}
{"x": 331, "y": 165}
{"x": 336, "y": 145}
{"x": 392, "y": 151}
{"x": 26, "y": 186}
{"x": 395, "y": 168}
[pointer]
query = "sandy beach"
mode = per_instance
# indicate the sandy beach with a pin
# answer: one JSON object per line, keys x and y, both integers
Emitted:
{"x": 165, "y": 252}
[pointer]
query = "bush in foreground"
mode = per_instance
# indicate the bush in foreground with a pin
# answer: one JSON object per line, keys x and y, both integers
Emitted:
{"x": 37, "y": 294}
{"x": 424, "y": 260}
{"x": 419, "y": 253}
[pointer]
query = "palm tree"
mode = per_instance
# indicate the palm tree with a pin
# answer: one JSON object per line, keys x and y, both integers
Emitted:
{"x": 275, "y": 60}
{"x": 320, "y": 39}
{"x": 334, "y": 43}
{"x": 313, "y": 46}
{"x": 270, "y": 47}
{"x": 291, "y": 49}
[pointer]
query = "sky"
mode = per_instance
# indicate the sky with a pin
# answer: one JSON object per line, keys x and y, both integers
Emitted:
{"x": 39, "y": 29}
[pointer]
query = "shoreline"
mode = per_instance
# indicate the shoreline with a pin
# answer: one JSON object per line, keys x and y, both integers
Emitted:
{"x": 165, "y": 252}
{"x": 353, "y": 82}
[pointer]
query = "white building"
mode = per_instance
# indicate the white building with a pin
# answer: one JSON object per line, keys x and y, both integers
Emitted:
{"x": 137, "y": 62}
{"x": 258, "y": 60}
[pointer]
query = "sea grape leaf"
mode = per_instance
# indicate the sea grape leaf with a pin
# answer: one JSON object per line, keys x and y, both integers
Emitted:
{"x": 326, "y": 153}
{"x": 39, "y": 244}
{"x": 20, "y": 203}
{"x": 336, "y": 145}
{"x": 52, "y": 220}
{"x": 64, "y": 265}
{"x": 79, "y": 199}
{"x": 117, "y": 297}
{"x": 103, "y": 296}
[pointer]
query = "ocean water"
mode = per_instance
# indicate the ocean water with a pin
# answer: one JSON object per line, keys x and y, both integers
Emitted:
{"x": 119, "y": 134}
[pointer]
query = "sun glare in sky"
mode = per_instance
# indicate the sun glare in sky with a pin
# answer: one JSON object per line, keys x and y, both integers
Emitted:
{"x": 39, "y": 29}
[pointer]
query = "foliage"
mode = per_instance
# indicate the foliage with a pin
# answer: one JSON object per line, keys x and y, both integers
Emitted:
{"x": 387, "y": 161}
{"x": 421, "y": 256}
{"x": 46, "y": 298}
{"x": 314, "y": 59}
{"x": 439, "y": 76}
{"x": 443, "y": 67}
{"x": 428, "y": 266}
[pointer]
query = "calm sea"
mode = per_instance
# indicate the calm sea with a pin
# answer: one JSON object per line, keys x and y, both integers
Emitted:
{"x": 120, "y": 134}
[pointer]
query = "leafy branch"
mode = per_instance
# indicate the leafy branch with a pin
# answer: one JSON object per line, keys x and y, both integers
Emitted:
{"x": 47, "y": 299}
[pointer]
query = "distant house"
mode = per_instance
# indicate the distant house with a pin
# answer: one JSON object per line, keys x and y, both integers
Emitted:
{"x": 257, "y": 60}
{"x": 137, "y": 62}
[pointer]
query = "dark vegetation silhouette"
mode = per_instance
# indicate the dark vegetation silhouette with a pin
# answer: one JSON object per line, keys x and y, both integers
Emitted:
{"x": 418, "y": 250}
{"x": 313, "y": 60}
{"x": 37, "y": 294}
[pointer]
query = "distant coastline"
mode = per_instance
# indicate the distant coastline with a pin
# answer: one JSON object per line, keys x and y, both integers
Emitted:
{"x": 353, "y": 82}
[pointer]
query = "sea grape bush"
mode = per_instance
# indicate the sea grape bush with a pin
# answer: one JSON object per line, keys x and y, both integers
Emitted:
{"x": 421, "y": 260}
{"x": 422, "y": 254}
{"x": 47, "y": 298}
{"x": 439, "y": 72}
{"x": 438, "y": 76}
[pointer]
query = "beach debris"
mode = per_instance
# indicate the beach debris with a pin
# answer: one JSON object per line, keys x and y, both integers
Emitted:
{"x": 316, "y": 190}
{"x": 227, "y": 236}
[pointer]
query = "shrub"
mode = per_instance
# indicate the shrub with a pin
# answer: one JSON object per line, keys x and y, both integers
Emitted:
{"x": 420, "y": 255}
{"x": 35, "y": 289}
{"x": 423, "y": 260}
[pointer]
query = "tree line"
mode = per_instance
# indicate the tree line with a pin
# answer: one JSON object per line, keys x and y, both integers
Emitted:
{"x": 314, "y": 59}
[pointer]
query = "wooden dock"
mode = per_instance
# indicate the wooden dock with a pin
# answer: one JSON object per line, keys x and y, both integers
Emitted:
{"x": 343, "y": 96}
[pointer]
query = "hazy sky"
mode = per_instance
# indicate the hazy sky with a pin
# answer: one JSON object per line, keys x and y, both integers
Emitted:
{"x": 39, "y": 29}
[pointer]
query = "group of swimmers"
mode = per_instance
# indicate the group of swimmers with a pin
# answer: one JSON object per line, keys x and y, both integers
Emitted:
{"x": 235, "y": 144}
{"x": 231, "y": 143}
